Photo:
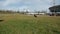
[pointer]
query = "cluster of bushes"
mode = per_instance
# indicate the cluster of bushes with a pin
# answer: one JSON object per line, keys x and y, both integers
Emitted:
{"x": 6, "y": 11}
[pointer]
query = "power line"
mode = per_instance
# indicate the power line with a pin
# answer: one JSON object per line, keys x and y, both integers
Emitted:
{"x": 54, "y": 3}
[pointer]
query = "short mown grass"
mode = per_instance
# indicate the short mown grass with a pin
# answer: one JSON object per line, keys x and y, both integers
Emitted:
{"x": 24, "y": 24}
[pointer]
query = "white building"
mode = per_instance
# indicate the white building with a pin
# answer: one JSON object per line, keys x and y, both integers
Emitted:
{"x": 36, "y": 13}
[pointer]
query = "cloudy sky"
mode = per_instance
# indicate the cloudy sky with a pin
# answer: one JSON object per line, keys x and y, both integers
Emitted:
{"x": 26, "y": 4}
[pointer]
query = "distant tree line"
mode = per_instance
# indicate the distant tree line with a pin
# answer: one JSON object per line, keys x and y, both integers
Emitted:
{"x": 6, "y": 11}
{"x": 20, "y": 12}
{"x": 11, "y": 12}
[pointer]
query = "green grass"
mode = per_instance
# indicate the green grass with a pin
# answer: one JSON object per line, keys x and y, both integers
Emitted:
{"x": 23, "y": 24}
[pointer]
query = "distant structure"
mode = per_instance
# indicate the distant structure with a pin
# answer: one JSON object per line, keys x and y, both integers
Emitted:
{"x": 35, "y": 13}
{"x": 55, "y": 9}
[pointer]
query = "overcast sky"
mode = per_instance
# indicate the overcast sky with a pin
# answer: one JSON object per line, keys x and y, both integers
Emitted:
{"x": 26, "y": 4}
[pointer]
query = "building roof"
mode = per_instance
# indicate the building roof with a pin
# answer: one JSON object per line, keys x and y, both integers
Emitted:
{"x": 55, "y": 8}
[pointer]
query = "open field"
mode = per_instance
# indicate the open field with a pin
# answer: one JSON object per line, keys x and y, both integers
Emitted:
{"x": 24, "y": 24}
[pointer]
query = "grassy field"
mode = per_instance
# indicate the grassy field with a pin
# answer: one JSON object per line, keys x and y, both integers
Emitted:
{"x": 24, "y": 24}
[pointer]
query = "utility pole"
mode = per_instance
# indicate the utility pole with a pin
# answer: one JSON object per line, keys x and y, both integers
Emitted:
{"x": 54, "y": 8}
{"x": 54, "y": 3}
